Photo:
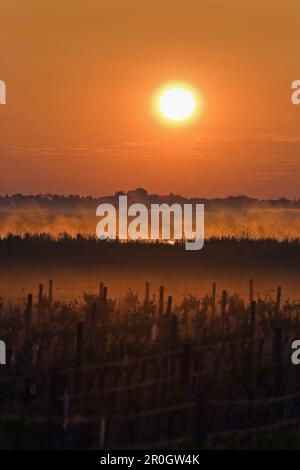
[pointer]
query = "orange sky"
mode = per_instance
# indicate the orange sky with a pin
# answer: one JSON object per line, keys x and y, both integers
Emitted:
{"x": 80, "y": 76}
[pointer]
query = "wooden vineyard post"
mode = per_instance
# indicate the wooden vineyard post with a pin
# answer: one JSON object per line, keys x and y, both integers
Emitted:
{"x": 252, "y": 334}
{"x": 40, "y": 302}
{"x": 104, "y": 314}
{"x": 278, "y": 299}
{"x": 102, "y": 433}
{"x": 278, "y": 360}
{"x": 277, "y": 345}
{"x": 50, "y": 297}
{"x": 223, "y": 303}
{"x": 52, "y": 408}
{"x": 79, "y": 357}
{"x": 79, "y": 342}
{"x": 251, "y": 290}
{"x": 186, "y": 365}
{"x": 201, "y": 421}
{"x": 213, "y": 297}
{"x": 147, "y": 293}
{"x": 101, "y": 287}
{"x": 252, "y": 319}
{"x": 154, "y": 333}
{"x": 66, "y": 410}
{"x": 169, "y": 305}
{"x": 94, "y": 314}
{"x": 161, "y": 300}
{"x": 105, "y": 288}
{"x": 28, "y": 312}
{"x": 174, "y": 331}
{"x": 223, "y": 308}
{"x": 50, "y": 292}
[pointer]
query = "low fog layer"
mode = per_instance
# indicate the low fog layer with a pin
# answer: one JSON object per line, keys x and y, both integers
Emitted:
{"x": 234, "y": 216}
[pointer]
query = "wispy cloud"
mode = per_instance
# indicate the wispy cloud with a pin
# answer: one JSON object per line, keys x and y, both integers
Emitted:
{"x": 268, "y": 147}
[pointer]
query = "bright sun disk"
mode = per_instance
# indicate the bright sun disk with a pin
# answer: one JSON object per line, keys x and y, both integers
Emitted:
{"x": 177, "y": 104}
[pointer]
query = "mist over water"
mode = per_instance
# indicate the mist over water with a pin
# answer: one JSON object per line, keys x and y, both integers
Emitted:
{"x": 277, "y": 223}
{"x": 254, "y": 222}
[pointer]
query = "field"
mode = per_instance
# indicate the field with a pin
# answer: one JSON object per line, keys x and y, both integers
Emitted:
{"x": 144, "y": 372}
{"x": 145, "y": 345}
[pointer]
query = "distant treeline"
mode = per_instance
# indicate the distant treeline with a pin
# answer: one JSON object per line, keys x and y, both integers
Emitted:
{"x": 141, "y": 195}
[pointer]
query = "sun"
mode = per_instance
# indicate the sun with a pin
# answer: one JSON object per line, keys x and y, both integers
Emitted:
{"x": 177, "y": 104}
